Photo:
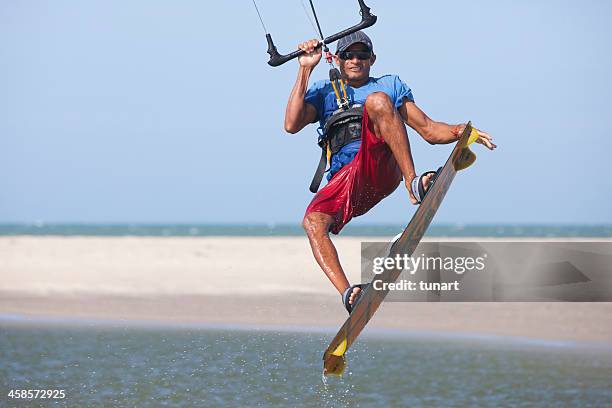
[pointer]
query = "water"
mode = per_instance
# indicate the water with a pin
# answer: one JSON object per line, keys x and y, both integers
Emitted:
{"x": 138, "y": 367}
{"x": 436, "y": 230}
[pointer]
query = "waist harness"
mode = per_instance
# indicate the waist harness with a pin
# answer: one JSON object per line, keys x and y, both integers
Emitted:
{"x": 341, "y": 128}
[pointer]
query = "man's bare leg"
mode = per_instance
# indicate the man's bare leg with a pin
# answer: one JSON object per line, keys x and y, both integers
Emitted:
{"x": 316, "y": 225}
{"x": 388, "y": 123}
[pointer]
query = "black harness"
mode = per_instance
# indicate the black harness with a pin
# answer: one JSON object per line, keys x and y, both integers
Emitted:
{"x": 341, "y": 128}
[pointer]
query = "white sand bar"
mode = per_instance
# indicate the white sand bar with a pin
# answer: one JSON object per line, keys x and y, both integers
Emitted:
{"x": 242, "y": 280}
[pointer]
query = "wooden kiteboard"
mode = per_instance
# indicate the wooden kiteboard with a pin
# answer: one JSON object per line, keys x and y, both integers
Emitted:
{"x": 462, "y": 157}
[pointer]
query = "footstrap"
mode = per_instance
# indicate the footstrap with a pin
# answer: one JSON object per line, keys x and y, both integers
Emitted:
{"x": 347, "y": 294}
{"x": 417, "y": 185}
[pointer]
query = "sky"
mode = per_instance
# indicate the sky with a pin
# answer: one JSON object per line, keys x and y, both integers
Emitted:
{"x": 166, "y": 112}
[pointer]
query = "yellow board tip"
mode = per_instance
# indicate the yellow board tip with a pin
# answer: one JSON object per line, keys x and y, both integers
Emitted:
{"x": 473, "y": 137}
{"x": 340, "y": 350}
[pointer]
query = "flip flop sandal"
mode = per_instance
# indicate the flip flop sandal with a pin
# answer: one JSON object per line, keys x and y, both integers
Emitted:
{"x": 347, "y": 294}
{"x": 417, "y": 185}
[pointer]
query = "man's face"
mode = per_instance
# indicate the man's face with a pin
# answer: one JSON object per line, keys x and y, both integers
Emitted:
{"x": 355, "y": 70}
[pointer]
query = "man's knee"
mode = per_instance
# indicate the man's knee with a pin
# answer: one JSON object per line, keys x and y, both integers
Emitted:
{"x": 316, "y": 223}
{"x": 378, "y": 102}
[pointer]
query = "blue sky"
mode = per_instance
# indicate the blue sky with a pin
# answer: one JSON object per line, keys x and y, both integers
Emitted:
{"x": 158, "y": 112}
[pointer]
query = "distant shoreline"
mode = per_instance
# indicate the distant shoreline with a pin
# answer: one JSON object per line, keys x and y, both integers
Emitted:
{"x": 254, "y": 230}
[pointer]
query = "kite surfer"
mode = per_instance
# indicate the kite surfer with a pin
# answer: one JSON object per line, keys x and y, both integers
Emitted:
{"x": 363, "y": 138}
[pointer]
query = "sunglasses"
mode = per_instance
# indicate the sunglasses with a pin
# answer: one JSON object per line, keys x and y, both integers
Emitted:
{"x": 360, "y": 55}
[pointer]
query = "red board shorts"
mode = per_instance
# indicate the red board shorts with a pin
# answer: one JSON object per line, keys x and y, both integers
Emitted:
{"x": 360, "y": 185}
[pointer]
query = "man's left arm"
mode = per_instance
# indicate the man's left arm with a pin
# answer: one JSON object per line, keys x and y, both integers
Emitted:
{"x": 437, "y": 132}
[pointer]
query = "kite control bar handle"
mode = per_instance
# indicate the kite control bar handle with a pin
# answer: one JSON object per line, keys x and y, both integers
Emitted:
{"x": 367, "y": 20}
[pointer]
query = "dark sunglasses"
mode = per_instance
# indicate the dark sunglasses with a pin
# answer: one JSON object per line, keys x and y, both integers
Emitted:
{"x": 360, "y": 55}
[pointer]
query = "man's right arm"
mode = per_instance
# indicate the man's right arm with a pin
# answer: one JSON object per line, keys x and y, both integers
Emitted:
{"x": 299, "y": 113}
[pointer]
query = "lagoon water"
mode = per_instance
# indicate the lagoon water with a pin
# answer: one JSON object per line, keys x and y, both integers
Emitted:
{"x": 189, "y": 366}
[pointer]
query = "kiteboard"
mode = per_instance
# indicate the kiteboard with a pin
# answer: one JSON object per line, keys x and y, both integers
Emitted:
{"x": 334, "y": 359}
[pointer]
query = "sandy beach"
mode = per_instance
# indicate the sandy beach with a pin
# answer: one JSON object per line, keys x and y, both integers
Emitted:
{"x": 264, "y": 282}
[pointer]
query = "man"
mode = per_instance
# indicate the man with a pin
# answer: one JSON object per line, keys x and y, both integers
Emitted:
{"x": 366, "y": 170}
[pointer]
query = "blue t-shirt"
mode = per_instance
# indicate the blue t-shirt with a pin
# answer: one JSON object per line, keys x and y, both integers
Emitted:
{"x": 321, "y": 95}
